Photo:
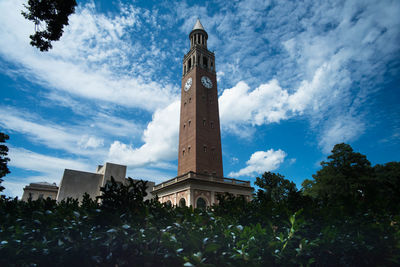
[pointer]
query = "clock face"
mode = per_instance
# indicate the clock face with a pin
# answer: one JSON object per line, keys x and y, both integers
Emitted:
{"x": 188, "y": 84}
{"x": 206, "y": 82}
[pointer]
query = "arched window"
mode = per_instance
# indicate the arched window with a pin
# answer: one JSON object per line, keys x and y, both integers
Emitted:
{"x": 169, "y": 203}
{"x": 182, "y": 202}
{"x": 201, "y": 203}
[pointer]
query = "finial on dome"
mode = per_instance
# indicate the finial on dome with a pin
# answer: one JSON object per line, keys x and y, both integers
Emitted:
{"x": 198, "y": 25}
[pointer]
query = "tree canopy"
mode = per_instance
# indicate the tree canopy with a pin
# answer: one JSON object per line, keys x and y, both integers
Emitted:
{"x": 3, "y": 158}
{"x": 50, "y": 17}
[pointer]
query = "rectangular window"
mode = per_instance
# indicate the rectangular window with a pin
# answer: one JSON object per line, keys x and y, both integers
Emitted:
{"x": 205, "y": 148}
{"x": 204, "y": 122}
{"x": 205, "y": 62}
{"x": 212, "y": 125}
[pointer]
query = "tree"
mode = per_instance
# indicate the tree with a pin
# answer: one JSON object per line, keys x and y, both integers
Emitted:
{"x": 344, "y": 178}
{"x": 3, "y": 158}
{"x": 386, "y": 189}
{"x": 276, "y": 187}
{"x": 53, "y": 14}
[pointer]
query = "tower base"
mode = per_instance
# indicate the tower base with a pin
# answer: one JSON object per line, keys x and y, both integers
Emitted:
{"x": 199, "y": 190}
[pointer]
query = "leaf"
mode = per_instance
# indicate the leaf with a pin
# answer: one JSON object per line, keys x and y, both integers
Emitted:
{"x": 212, "y": 247}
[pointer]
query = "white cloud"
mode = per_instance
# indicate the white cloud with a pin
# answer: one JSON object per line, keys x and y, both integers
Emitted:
{"x": 327, "y": 60}
{"x": 68, "y": 138}
{"x": 342, "y": 129}
{"x": 266, "y": 104}
{"x": 14, "y": 188}
{"x": 85, "y": 62}
{"x": 160, "y": 140}
{"x": 87, "y": 138}
{"x": 261, "y": 161}
{"x": 116, "y": 126}
{"x": 49, "y": 169}
{"x": 90, "y": 142}
{"x": 28, "y": 160}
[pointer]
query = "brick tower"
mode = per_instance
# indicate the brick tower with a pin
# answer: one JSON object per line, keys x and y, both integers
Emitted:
{"x": 199, "y": 132}
{"x": 200, "y": 176}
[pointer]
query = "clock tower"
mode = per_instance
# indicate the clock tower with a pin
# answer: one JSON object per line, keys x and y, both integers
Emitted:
{"x": 200, "y": 177}
{"x": 199, "y": 132}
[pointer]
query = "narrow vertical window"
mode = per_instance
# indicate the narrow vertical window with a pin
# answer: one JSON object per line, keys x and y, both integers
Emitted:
{"x": 190, "y": 100}
{"x": 189, "y": 122}
{"x": 205, "y": 148}
{"x": 183, "y": 152}
{"x": 212, "y": 125}
{"x": 205, "y": 62}
{"x": 204, "y": 122}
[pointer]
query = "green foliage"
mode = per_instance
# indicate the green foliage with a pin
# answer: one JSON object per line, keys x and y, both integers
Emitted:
{"x": 53, "y": 14}
{"x": 3, "y": 158}
{"x": 342, "y": 179}
{"x": 277, "y": 188}
{"x": 280, "y": 227}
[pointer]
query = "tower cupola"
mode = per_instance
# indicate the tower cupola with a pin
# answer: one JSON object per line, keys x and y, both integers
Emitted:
{"x": 198, "y": 36}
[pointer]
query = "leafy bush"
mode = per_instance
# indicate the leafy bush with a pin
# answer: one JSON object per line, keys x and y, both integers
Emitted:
{"x": 281, "y": 226}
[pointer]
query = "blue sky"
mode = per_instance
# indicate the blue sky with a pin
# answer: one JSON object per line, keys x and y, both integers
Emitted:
{"x": 294, "y": 78}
